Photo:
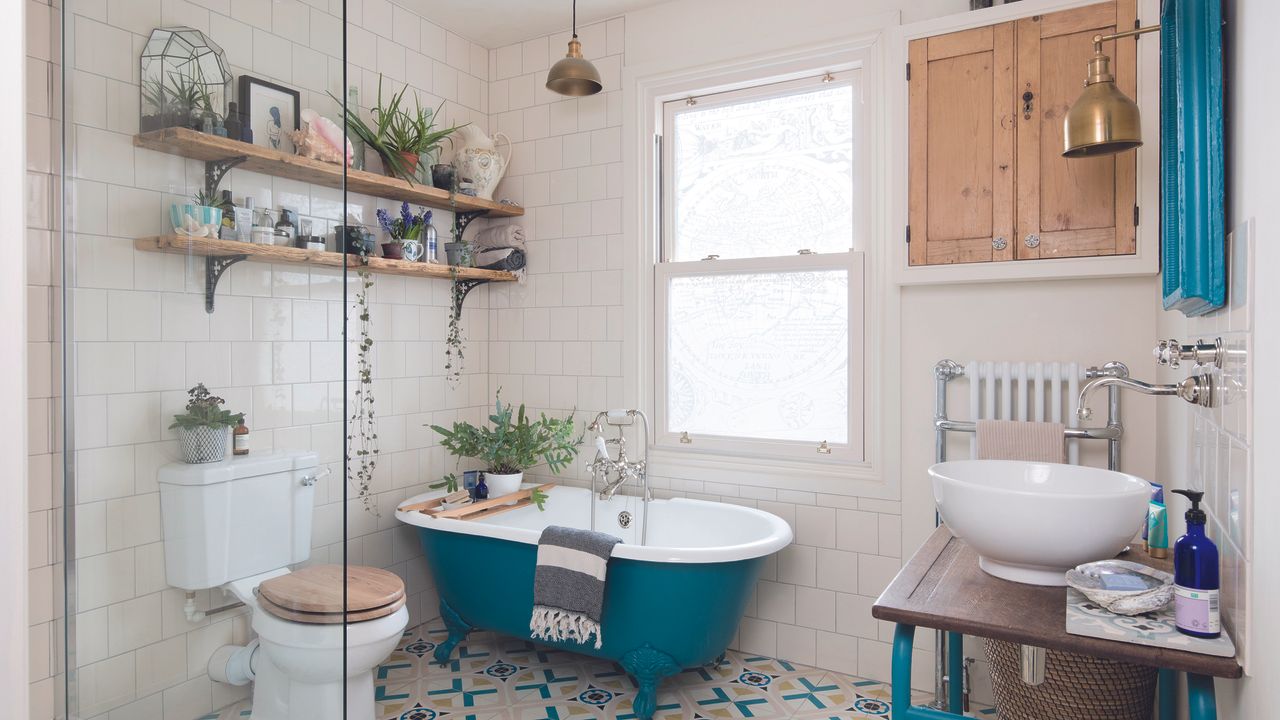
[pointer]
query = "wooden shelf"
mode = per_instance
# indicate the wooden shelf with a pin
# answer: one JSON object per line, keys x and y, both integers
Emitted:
{"x": 222, "y": 254}
{"x": 213, "y": 149}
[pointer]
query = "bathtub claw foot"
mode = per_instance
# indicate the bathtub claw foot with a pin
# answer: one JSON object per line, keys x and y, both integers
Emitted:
{"x": 458, "y": 629}
{"x": 648, "y": 666}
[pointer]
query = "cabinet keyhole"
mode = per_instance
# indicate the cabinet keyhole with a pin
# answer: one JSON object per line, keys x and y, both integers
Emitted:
{"x": 1027, "y": 104}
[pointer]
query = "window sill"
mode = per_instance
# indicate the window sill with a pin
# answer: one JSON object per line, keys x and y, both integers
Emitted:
{"x": 861, "y": 479}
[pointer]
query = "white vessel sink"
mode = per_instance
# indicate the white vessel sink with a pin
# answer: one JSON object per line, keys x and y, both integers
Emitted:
{"x": 1031, "y": 522}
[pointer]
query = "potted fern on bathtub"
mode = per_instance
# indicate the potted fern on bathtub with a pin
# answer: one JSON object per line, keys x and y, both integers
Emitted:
{"x": 512, "y": 445}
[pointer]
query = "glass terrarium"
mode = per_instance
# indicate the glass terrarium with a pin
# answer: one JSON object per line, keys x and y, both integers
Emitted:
{"x": 186, "y": 81}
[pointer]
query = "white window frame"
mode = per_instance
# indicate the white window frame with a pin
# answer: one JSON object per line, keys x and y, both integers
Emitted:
{"x": 831, "y": 454}
{"x": 836, "y": 452}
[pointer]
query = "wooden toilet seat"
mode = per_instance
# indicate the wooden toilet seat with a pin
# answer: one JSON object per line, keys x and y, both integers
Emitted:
{"x": 314, "y": 594}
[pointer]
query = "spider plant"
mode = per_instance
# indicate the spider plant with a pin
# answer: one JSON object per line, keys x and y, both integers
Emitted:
{"x": 397, "y": 130}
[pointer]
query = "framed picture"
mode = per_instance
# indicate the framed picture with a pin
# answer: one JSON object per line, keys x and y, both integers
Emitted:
{"x": 270, "y": 111}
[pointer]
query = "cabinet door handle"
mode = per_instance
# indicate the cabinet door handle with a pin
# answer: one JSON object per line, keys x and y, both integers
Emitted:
{"x": 1028, "y": 104}
{"x": 999, "y": 243}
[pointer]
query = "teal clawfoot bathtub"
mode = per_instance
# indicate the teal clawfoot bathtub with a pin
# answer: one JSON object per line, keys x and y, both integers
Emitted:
{"x": 672, "y": 604}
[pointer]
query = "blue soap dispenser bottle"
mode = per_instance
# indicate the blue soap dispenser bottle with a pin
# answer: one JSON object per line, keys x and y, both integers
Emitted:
{"x": 1195, "y": 576}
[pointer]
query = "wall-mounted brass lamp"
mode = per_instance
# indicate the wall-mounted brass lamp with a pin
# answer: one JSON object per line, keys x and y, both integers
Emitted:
{"x": 1103, "y": 120}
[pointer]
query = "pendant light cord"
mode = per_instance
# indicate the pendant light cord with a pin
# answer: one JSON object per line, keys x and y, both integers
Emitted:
{"x": 575, "y": 19}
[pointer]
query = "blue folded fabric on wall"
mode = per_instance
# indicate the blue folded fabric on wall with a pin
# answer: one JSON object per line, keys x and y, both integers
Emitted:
{"x": 569, "y": 585}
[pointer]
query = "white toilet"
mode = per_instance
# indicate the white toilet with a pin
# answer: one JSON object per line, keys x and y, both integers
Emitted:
{"x": 238, "y": 524}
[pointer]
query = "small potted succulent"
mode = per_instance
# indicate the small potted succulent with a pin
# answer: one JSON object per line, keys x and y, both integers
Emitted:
{"x": 202, "y": 217}
{"x": 407, "y": 227}
{"x": 514, "y": 444}
{"x": 400, "y": 136}
{"x": 204, "y": 430}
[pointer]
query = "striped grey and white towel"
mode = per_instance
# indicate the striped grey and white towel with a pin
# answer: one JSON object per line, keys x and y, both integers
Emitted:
{"x": 568, "y": 585}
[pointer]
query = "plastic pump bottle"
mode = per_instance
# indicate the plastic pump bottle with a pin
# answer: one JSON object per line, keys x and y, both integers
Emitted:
{"x": 1195, "y": 576}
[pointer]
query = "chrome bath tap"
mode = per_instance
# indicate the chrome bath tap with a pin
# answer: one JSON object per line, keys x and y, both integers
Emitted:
{"x": 623, "y": 469}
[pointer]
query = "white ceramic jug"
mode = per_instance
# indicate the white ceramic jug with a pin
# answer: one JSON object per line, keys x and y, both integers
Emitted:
{"x": 478, "y": 160}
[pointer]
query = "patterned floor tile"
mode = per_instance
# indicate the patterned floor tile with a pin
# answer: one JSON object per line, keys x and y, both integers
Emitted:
{"x": 495, "y": 677}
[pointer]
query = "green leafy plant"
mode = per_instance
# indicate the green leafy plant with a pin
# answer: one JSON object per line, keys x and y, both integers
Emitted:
{"x": 514, "y": 443}
{"x": 204, "y": 409}
{"x": 396, "y": 130}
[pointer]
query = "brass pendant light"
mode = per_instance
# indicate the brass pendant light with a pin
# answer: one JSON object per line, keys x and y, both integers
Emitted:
{"x": 574, "y": 75}
{"x": 1103, "y": 120}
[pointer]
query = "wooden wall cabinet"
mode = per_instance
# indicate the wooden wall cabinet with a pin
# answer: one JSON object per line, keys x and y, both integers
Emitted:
{"x": 987, "y": 180}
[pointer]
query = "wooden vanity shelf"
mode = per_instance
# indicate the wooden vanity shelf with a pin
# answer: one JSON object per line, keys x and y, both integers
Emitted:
{"x": 221, "y": 154}
{"x": 222, "y": 254}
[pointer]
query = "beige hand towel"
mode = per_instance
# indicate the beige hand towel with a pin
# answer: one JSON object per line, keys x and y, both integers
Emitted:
{"x": 1030, "y": 441}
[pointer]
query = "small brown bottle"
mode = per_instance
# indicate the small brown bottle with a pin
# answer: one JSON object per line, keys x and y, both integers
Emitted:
{"x": 240, "y": 439}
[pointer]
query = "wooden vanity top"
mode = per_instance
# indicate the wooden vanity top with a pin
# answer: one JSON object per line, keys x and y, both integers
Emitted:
{"x": 943, "y": 588}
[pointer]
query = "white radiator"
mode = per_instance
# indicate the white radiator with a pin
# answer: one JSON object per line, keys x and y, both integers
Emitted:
{"x": 1038, "y": 392}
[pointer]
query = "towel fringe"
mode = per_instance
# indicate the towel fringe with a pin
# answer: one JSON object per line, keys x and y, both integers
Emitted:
{"x": 556, "y": 625}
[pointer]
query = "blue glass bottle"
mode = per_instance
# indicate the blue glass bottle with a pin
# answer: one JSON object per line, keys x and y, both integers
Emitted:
{"x": 482, "y": 490}
{"x": 1195, "y": 576}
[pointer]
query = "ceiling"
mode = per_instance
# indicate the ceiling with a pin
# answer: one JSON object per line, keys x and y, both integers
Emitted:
{"x": 494, "y": 23}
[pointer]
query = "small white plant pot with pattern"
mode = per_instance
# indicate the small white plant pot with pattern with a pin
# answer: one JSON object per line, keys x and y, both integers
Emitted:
{"x": 500, "y": 485}
{"x": 203, "y": 444}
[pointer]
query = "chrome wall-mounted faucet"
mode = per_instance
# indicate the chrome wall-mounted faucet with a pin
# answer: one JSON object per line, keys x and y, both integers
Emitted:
{"x": 1197, "y": 389}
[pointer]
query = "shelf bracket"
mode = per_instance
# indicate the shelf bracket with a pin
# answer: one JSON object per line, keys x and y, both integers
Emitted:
{"x": 467, "y": 286}
{"x": 215, "y": 170}
{"x": 463, "y": 219}
{"x": 214, "y": 266}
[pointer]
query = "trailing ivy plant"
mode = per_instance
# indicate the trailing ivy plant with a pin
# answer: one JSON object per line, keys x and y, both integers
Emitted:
{"x": 453, "y": 355}
{"x": 362, "y": 438}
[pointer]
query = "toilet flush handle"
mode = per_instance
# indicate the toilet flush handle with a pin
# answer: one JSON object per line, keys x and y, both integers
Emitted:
{"x": 310, "y": 480}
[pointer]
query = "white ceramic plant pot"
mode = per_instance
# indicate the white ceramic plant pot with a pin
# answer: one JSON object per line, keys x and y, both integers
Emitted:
{"x": 203, "y": 444}
{"x": 500, "y": 485}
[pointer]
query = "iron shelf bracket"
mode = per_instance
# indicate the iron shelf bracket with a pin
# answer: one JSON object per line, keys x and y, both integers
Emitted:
{"x": 215, "y": 170}
{"x": 214, "y": 266}
{"x": 467, "y": 286}
{"x": 463, "y": 219}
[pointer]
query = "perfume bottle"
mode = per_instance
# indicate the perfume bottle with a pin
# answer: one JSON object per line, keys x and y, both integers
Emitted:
{"x": 232, "y": 124}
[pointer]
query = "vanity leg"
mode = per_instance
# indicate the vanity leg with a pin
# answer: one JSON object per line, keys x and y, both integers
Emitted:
{"x": 903, "y": 635}
{"x": 955, "y": 672}
{"x": 1167, "y": 692}
{"x": 458, "y": 629}
{"x": 1201, "y": 703}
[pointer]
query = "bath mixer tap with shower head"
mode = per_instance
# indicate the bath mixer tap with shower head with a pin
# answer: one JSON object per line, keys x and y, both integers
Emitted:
{"x": 622, "y": 469}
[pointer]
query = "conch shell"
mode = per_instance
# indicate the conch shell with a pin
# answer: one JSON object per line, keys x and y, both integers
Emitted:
{"x": 320, "y": 138}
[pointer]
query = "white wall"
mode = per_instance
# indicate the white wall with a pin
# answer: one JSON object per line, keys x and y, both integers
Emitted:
{"x": 15, "y": 668}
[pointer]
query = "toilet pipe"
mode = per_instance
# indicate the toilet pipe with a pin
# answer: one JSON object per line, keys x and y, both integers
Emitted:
{"x": 233, "y": 664}
{"x": 195, "y": 616}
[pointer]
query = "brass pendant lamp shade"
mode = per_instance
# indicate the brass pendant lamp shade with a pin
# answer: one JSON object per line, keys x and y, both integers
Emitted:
{"x": 1103, "y": 120}
{"x": 574, "y": 75}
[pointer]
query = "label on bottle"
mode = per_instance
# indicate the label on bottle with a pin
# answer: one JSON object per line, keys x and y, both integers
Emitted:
{"x": 1196, "y": 610}
{"x": 240, "y": 443}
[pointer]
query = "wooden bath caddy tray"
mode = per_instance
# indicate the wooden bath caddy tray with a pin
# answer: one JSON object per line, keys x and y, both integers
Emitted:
{"x": 477, "y": 510}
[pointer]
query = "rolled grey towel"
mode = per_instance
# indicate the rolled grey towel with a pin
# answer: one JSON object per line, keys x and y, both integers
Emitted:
{"x": 510, "y": 259}
{"x": 502, "y": 236}
{"x": 568, "y": 585}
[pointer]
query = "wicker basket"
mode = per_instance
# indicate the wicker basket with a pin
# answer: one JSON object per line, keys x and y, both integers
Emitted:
{"x": 1075, "y": 687}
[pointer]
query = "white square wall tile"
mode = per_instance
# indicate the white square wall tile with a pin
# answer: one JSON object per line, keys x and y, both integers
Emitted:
{"x": 816, "y": 608}
{"x": 815, "y": 526}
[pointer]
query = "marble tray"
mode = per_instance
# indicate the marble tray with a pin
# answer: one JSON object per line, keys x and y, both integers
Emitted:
{"x": 1085, "y": 617}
